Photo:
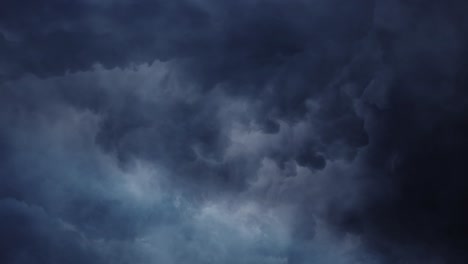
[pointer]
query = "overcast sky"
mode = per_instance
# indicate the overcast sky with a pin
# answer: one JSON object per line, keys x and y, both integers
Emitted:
{"x": 233, "y": 132}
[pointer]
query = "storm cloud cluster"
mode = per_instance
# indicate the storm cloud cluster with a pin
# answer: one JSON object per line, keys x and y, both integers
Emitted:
{"x": 250, "y": 131}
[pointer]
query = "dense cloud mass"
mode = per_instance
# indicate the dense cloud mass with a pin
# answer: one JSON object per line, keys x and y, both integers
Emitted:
{"x": 249, "y": 131}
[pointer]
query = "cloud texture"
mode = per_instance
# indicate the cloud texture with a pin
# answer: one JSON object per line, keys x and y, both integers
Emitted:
{"x": 265, "y": 131}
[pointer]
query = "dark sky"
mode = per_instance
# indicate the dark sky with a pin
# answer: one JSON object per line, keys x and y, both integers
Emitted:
{"x": 234, "y": 132}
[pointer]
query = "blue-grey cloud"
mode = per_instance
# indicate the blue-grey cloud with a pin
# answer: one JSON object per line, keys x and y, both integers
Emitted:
{"x": 233, "y": 132}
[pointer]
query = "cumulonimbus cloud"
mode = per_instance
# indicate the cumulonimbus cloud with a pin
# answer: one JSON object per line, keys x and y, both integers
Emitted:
{"x": 233, "y": 132}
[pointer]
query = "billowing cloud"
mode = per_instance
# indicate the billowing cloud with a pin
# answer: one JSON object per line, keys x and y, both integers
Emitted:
{"x": 207, "y": 131}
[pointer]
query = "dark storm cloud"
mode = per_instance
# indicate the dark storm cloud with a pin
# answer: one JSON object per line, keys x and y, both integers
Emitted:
{"x": 29, "y": 235}
{"x": 233, "y": 131}
{"x": 417, "y": 124}
{"x": 280, "y": 53}
{"x": 53, "y": 37}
